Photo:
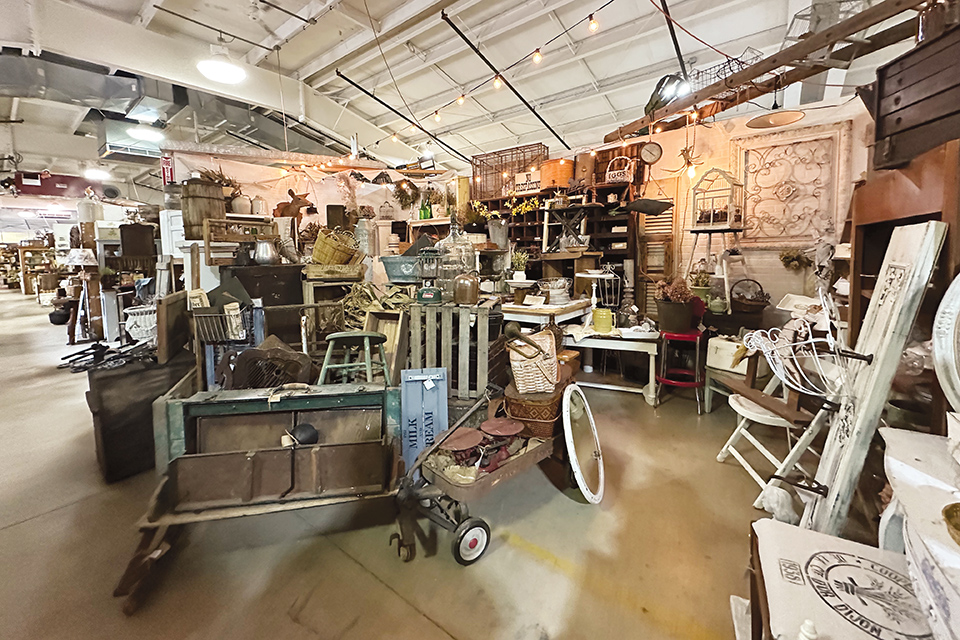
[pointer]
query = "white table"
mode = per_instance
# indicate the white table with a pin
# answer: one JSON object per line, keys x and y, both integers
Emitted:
{"x": 649, "y": 347}
{"x": 541, "y": 315}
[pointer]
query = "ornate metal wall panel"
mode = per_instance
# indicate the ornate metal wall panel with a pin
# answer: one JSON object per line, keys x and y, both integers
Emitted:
{"x": 796, "y": 185}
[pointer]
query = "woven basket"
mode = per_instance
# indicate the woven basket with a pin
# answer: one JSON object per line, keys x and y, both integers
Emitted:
{"x": 334, "y": 247}
{"x": 540, "y": 412}
{"x": 624, "y": 170}
{"x": 534, "y": 370}
{"x": 742, "y": 304}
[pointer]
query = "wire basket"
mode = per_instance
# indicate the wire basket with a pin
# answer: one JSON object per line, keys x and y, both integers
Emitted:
{"x": 213, "y": 327}
{"x": 141, "y": 323}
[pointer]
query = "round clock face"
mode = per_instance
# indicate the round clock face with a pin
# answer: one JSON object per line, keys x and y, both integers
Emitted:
{"x": 651, "y": 152}
{"x": 869, "y": 595}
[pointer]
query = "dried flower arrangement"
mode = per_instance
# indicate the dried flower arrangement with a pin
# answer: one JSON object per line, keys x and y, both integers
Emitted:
{"x": 519, "y": 260}
{"x": 676, "y": 291}
{"x": 221, "y": 179}
{"x": 699, "y": 279}
{"x": 795, "y": 259}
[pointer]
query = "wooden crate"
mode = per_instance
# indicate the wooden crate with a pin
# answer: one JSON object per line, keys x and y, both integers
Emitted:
{"x": 441, "y": 336}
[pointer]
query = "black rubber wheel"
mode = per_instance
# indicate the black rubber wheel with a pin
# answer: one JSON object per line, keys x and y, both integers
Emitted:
{"x": 470, "y": 541}
{"x": 407, "y": 553}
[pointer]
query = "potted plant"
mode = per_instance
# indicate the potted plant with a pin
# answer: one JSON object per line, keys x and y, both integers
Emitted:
{"x": 674, "y": 310}
{"x": 519, "y": 263}
{"x": 436, "y": 200}
{"x": 700, "y": 284}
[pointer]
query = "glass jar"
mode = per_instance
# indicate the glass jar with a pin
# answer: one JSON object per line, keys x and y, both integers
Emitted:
{"x": 458, "y": 256}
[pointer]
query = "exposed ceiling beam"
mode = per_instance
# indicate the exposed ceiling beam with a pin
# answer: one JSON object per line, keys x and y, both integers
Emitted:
{"x": 359, "y": 18}
{"x": 147, "y": 11}
{"x": 65, "y": 29}
{"x": 630, "y": 80}
{"x": 791, "y": 56}
{"x": 313, "y": 10}
{"x": 403, "y": 14}
{"x": 718, "y": 19}
{"x": 512, "y": 18}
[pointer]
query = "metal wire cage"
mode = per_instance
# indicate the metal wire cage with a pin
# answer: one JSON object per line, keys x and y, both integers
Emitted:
{"x": 494, "y": 173}
{"x": 718, "y": 201}
{"x": 218, "y": 327}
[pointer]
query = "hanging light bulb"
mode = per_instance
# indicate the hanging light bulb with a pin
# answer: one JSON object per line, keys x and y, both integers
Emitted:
{"x": 624, "y": 144}
{"x": 461, "y": 99}
{"x": 497, "y": 82}
{"x": 537, "y": 57}
{"x": 593, "y": 152}
{"x": 505, "y": 174}
{"x": 477, "y": 178}
{"x": 339, "y": 160}
{"x": 694, "y": 116}
{"x": 394, "y": 137}
{"x": 593, "y": 25}
{"x": 283, "y": 172}
{"x": 413, "y": 128}
{"x": 563, "y": 161}
{"x": 352, "y": 156}
{"x": 691, "y": 171}
{"x": 436, "y": 116}
{"x": 532, "y": 169}
{"x": 658, "y": 130}
{"x": 219, "y": 67}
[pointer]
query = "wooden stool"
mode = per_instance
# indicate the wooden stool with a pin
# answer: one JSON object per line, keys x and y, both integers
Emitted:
{"x": 350, "y": 339}
{"x": 680, "y": 376}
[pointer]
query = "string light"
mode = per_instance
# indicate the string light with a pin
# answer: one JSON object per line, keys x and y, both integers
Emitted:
{"x": 537, "y": 57}
{"x": 562, "y": 161}
{"x": 658, "y": 130}
{"x": 283, "y": 172}
{"x": 593, "y": 152}
{"x": 477, "y": 178}
{"x": 461, "y": 99}
{"x": 505, "y": 174}
{"x": 497, "y": 82}
{"x": 394, "y": 138}
{"x": 340, "y": 160}
{"x": 593, "y": 25}
{"x": 413, "y": 128}
{"x": 624, "y": 145}
{"x": 532, "y": 169}
{"x": 436, "y": 116}
{"x": 693, "y": 116}
{"x": 352, "y": 156}
{"x": 691, "y": 172}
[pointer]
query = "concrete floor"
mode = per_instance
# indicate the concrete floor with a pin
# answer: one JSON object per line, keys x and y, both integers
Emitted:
{"x": 658, "y": 559}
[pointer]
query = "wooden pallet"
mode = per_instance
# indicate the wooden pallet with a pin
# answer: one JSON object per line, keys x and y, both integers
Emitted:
{"x": 436, "y": 329}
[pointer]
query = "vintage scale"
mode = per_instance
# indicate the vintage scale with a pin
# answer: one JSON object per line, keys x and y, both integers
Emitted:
{"x": 428, "y": 265}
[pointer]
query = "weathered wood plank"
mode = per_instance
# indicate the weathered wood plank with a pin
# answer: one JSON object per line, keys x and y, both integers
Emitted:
{"x": 416, "y": 337}
{"x": 463, "y": 355}
{"x": 483, "y": 351}
{"x": 446, "y": 338}
{"x": 431, "y": 312}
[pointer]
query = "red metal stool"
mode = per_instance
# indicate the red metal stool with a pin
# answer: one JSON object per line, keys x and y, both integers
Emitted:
{"x": 680, "y": 376}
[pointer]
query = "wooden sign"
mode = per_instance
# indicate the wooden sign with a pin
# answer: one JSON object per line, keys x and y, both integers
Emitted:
{"x": 423, "y": 406}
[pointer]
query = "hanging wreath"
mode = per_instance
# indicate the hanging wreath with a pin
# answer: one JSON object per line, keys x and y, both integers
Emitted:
{"x": 406, "y": 194}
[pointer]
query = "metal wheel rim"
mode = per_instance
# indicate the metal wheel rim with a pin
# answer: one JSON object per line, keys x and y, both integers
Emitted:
{"x": 946, "y": 344}
{"x": 473, "y": 543}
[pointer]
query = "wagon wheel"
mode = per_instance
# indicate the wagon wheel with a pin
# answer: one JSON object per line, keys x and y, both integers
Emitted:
{"x": 470, "y": 541}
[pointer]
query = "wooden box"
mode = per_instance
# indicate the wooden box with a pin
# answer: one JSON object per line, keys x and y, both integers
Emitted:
{"x": 917, "y": 101}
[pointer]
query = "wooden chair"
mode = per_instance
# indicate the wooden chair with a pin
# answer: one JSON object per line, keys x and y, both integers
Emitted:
{"x": 364, "y": 340}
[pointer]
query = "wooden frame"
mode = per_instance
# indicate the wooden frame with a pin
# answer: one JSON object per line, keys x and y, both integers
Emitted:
{"x": 396, "y": 326}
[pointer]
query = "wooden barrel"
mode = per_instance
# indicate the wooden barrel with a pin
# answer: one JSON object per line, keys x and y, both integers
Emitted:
{"x": 556, "y": 173}
{"x": 200, "y": 200}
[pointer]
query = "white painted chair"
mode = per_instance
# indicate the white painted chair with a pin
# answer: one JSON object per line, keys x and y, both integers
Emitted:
{"x": 749, "y": 414}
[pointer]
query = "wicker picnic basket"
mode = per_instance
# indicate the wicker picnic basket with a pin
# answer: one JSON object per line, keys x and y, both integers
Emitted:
{"x": 334, "y": 247}
{"x": 753, "y": 302}
{"x": 620, "y": 169}
{"x": 539, "y": 412}
{"x": 535, "y": 368}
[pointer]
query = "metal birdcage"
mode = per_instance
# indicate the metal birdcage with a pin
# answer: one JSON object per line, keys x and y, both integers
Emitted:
{"x": 718, "y": 201}
{"x": 494, "y": 173}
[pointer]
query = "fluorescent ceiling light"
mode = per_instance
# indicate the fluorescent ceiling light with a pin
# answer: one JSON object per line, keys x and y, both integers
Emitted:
{"x": 54, "y": 206}
{"x": 220, "y": 68}
{"x": 27, "y": 214}
{"x": 96, "y": 174}
{"x": 148, "y": 134}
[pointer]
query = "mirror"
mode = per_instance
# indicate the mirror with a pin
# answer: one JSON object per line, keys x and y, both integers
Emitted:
{"x": 583, "y": 445}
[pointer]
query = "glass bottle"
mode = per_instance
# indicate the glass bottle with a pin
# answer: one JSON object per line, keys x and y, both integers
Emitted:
{"x": 458, "y": 256}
